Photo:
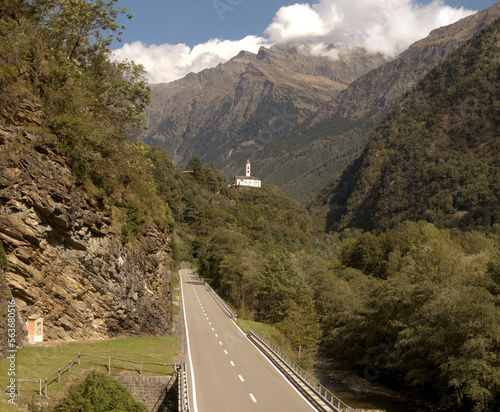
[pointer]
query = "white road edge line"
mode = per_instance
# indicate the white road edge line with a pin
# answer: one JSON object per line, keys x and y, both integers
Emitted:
{"x": 241, "y": 378}
{"x": 253, "y": 398}
{"x": 193, "y": 389}
{"x": 274, "y": 366}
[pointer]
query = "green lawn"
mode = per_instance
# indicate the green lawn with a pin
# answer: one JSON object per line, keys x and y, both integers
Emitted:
{"x": 40, "y": 362}
{"x": 269, "y": 331}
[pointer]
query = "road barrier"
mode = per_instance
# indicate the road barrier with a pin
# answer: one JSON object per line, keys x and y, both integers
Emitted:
{"x": 220, "y": 301}
{"x": 182, "y": 384}
{"x": 311, "y": 382}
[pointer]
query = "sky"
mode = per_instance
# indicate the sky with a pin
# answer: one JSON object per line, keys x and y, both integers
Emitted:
{"x": 174, "y": 37}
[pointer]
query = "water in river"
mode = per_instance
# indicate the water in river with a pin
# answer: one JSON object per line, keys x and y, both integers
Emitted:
{"x": 368, "y": 396}
{"x": 358, "y": 400}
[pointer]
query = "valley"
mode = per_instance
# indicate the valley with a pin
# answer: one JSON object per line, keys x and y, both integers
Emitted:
{"x": 392, "y": 272}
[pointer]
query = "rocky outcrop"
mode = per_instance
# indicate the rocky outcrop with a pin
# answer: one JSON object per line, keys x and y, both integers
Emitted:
{"x": 211, "y": 113}
{"x": 13, "y": 331}
{"x": 66, "y": 259}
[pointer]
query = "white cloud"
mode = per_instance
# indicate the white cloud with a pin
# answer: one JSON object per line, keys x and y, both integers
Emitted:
{"x": 168, "y": 62}
{"x": 385, "y": 26}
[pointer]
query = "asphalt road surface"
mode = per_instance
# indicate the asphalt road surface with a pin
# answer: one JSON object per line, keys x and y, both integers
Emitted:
{"x": 226, "y": 372}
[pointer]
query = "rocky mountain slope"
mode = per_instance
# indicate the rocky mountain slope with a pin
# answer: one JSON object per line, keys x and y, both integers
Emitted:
{"x": 66, "y": 260}
{"x": 436, "y": 155}
{"x": 325, "y": 144}
{"x": 213, "y": 113}
{"x": 301, "y": 119}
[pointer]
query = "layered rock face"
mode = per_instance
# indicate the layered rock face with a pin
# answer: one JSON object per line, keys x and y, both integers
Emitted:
{"x": 65, "y": 256}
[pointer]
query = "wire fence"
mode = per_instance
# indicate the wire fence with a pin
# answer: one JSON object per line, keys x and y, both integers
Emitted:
{"x": 77, "y": 361}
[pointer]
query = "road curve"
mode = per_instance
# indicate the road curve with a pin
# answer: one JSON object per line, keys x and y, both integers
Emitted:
{"x": 226, "y": 372}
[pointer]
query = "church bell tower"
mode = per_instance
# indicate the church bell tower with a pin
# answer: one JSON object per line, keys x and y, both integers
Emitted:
{"x": 248, "y": 173}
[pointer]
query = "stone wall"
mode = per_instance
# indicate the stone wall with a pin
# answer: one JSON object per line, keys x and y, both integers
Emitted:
{"x": 66, "y": 259}
{"x": 158, "y": 393}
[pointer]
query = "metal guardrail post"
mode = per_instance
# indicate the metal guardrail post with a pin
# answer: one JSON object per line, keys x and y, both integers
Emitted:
{"x": 303, "y": 375}
{"x": 231, "y": 312}
{"x": 183, "y": 392}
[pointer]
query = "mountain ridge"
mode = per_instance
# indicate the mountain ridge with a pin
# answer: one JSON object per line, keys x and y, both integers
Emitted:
{"x": 228, "y": 105}
{"x": 295, "y": 143}
{"x": 338, "y": 132}
{"x": 435, "y": 156}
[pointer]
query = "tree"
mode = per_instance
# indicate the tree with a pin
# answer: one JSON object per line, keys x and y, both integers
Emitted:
{"x": 285, "y": 299}
{"x": 80, "y": 28}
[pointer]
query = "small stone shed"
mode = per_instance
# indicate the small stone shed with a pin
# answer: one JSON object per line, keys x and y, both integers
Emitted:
{"x": 35, "y": 329}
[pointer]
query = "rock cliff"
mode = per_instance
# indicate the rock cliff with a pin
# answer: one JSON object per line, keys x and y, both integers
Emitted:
{"x": 66, "y": 259}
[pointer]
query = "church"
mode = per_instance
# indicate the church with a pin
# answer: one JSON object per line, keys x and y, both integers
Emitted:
{"x": 247, "y": 180}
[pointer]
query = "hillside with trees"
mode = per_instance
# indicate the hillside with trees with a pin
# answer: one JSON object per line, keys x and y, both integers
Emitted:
{"x": 412, "y": 304}
{"x": 436, "y": 155}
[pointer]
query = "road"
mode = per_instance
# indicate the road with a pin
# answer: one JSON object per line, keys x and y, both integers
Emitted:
{"x": 226, "y": 371}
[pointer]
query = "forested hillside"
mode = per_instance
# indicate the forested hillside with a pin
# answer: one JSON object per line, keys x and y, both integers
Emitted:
{"x": 300, "y": 118}
{"x": 335, "y": 135}
{"x": 413, "y": 304}
{"x": 436, "y": 155}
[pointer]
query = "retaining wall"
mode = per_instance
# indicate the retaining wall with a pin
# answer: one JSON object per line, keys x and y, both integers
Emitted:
{"x": 158, "y": 393}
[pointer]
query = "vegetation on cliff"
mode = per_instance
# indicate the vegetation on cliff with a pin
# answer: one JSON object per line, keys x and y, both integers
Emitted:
{"x": 58, "y": 77}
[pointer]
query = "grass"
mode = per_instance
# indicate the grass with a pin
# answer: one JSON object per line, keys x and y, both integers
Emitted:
{"x": 267, "y": 330}
{"x": 40, "y": 362}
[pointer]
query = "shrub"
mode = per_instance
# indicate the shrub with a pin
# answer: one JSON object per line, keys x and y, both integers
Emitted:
{"x": 99, "y": 393}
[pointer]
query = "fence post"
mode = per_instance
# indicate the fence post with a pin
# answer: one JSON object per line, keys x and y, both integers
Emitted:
{"x": 70, "y": 363}
{"x": 40, "y": 391}
{"x": 141, "y": 367}
{"x": 109, "y": 365}
{"x": 79, "y": 356}
{"x": 59, "y": 376}
{"x": 46, "y": 388}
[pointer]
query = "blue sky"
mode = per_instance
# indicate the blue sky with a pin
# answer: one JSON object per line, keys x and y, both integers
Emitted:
{"x": 173, "y": 37}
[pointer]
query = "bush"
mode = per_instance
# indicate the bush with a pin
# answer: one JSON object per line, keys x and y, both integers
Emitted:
{"x": 99, "y": 393}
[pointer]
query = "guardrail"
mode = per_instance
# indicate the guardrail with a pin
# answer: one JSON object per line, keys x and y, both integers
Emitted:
{"x": 311, "y": 382}
{"x": 221, "y": 301}
{"x": 182, "y": 384}
{"x": 76, "y": 360}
